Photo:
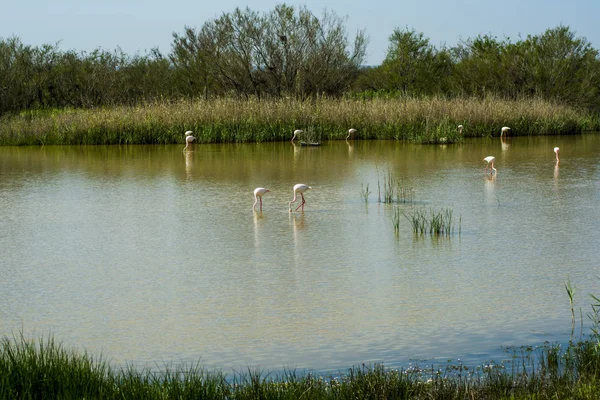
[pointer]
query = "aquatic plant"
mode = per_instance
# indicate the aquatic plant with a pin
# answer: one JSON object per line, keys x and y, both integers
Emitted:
{"x": 45, "y": 369}
{"x": 426, "y": 120}
{"x": 396, "y": 221}
{"x": 405, "y": 194}
{"x": 394, "y": 190}
{"x": 435, "y": 223}
{"x": 364, "y": 192}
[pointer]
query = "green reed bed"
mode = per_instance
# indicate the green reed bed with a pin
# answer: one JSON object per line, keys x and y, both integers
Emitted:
{"x": 432, "y": 120}
{"x": 432, "y": 222}
{"x": 45, "y": 369}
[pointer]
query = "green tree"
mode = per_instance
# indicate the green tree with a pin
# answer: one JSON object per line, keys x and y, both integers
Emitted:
{"x": 564, "y": 68}
{"x": 287, "y": 52}
{"x": 413, "y": 66}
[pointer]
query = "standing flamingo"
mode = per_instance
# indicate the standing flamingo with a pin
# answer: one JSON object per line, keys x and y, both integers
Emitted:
{"x": 299, "y": 188}
{"x": 258, "y": 194}
{"x": 296, "y": 133}
{"x": 504, "y": 131}
{"x": 556, "y": 150}
{"x": 351, "y": 132}
{"x": 460, "y": 129}
{"x": 490, "y": 161}
{"x": 188, "y": 139}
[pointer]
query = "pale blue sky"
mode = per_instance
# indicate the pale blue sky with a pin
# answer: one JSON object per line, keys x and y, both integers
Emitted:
{"x": 139, "y": 25}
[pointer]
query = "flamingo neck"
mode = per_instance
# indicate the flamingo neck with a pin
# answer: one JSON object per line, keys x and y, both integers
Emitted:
{"x": 293, "y": 200}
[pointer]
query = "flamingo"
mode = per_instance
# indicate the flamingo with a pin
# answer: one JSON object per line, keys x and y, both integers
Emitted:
{"x": 351, "y": 132}
{"x": 556, "y": 150}
{"x": 258, "y": 194}
{"x": 490, "y": 161}
{"x": 188, "y": 139}
{"x": 299, "y": 188}
{"x": 296, "y": 133}
{"x": 460, "y": 129}
{"x": 504, "y": 130}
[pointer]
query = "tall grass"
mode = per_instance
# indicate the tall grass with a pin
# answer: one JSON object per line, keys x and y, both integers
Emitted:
{"x": 365, "y": 192}
{"x": 394, "y": 190}
{"x": 432, "y": 120}
{"x": 435, "y": 222}
{"x": 45, "y": 369}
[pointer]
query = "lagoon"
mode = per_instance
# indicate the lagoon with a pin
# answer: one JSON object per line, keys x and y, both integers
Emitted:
{"x": 148, "y": 255}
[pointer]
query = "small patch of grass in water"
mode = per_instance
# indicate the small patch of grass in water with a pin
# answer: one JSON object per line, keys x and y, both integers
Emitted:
{"x": 434, "y": 223}
{"x": 395, "y": 190}
{"x": 364, "y": 192}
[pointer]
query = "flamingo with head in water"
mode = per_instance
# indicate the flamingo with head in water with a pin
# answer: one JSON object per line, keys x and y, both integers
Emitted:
{"x": 296, "y": 133}
{"x": 258, "y": 194}
{"x": 351, "y": 132}
{"x": 188, "y": 139}
{"x": 556, "y": 150}
{"x": 299, "y": 188}
{"x": 504, "y": 131}
{"x": 490, "y": 161}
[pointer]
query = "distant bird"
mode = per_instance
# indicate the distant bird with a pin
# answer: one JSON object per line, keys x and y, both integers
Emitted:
{"x": 490, "y": 161}
{"x": 299, "y": 188}
{"x": 188, "y": 139}
{"x": 504, "y": 130}
{"x": 460, "y": 129}
{"x": 351, "y": 132}
{"x": 556, "y": 150}
{"x": 258, "y": 194}
{"x": 296, "y": 133}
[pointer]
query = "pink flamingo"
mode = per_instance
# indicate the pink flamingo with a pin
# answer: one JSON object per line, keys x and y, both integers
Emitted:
{"x": 296, "y": 133}
{"x": 299, "y": 188}
{"x": 490, "y": 160}
{"x": 258, "y": 194}
{"x": 351, "y": 132}
{"x": 556, "y": 150}
{"x": 188, "y": 139}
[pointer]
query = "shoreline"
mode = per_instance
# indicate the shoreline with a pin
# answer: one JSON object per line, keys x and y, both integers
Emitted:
{"x": 42, "y": 367}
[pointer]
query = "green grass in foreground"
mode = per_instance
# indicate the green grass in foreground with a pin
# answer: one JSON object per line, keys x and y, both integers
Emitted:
{"x": 432, "y": 120}
{"x": 39, "y": 369}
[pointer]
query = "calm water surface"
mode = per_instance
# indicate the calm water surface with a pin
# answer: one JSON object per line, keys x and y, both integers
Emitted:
{"x": 147, "y": 255}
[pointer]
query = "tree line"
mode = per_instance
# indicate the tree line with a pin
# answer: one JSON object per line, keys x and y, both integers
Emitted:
{"x": 291, "y": 53}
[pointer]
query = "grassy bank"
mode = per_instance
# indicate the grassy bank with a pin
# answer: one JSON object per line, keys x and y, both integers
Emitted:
{"x": 45, "y": 369}
{"x": 431, "y": 120}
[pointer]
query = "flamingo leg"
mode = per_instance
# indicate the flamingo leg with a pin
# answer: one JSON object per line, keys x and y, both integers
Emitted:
{"x": 261, "y": 204}
{"x": 301, "y": 204}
